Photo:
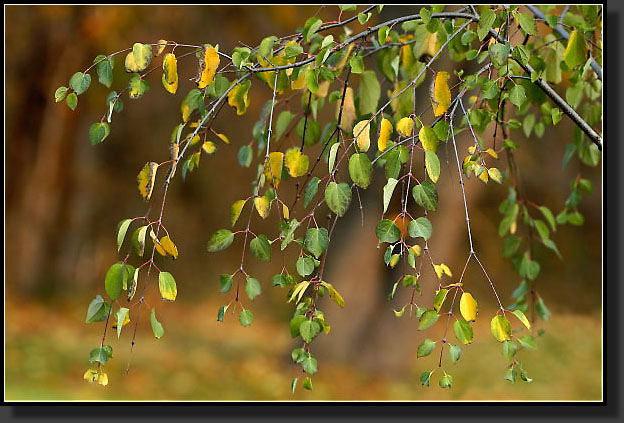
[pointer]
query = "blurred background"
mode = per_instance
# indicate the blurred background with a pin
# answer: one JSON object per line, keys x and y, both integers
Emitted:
{"x": 64, "y": 199}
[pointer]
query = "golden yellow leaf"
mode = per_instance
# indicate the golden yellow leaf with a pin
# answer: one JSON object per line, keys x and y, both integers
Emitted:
{"x": 170, "y": 73}
{"x": 208, "y": 67}
{"x": 441, "y": 93}
{"x": 492, "y": 153}
{"x": 495, "y": 175}
{"x": 428, "y": 139}
{"x": 286, "y": 211}
{"x": 102, "y": 379}
{"x": 384, "y": 134}
{"x": 160, "y": 46}
{"x": 91, "y": 375}
{"x": 484, "y": 177}
{"x": 361, "y": 131}
{"x": 224, "y": 138}
{"x": 262, "y": 206}
{"x": 238, "y": 97}
{"x": 472, "y": 149}
{"x": 169, "y": 247}
{"x": 209, "y": 147}
{"x": 468, "y": 307}
{"x": 300, "y": 82}
{"x": 501, "y": 328}
{"x": 417, "y": 249}
{"x": 405, "y": 126}
{"x": 442, "y": 269}
{"x": 273, "y": 172}
{"x": 146, "y": 178}
{"x": 194, "y": 140}
{"x": 130, "y": 63}
{"x": 296, "y": 162}
{"x": 348, "y": 110}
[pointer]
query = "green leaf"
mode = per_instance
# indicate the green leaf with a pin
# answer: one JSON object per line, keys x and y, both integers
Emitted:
{"x": 425, "y": 377}
{"x": 99, "y": 355}
{"x": 122, "y": 228}
{"x": 113, "y": 281}
{"x": 455, "y": 352}
{"x": 167, "y": 286}
{"x": 305, "y": 266}
{"x": 527, "y": 23}
{"x": 428, "y": 319}
{"x": 289, "y": 232}
{"x": 245, "y": 318}
{"x": 463, "y": 331}
{"x": 439, "y": 298}
{"x": 293, "y": 385}
{"x": 421, "y": 227}
{"x": 387, "y": 231}
{"x": 281, "y": 124}
{"x": 338, "y": 197}
{"x": 220, "y": 240}
{"x": 509, "y": 349}
{"x": 432, "y": 164}
{"x": 357, "y": 64}
{"x": 387, "y": 192}
{"x": 527, "y": 341}
{"x": 226, "y": 282}
{"x": 549, "y": 217}
{"x": 105, "y": 70}
{"x": 310, "y": 366}
{"x": 446, "y": 381}
{"x": 542, "y": 310}
{"x": 309, "y": 29}
{"x": 316, "y": 240}
{"x": 157, "y": 327}
{"x": 60, "y": 93}
{"x": 221, "y": 313}
{"x": 425, "y": 348}
{"x": 72, "y": 101}
{"x": 511, "y": 245}
{"x": 485, "y": 24}
{"x": 510, "y": 375}
{"x": 332, "y": 156}
{"x": 520, "y": 315}
{"x": 360, "y": 170}
{"x": 521, "y": 54}
{"x": 98, "y": 310}
{"x": 252, "y": 287}
{"x": 98, "y": 132}
{"x": 426, "y": 195}
{"x": 80, "y": 82}
{"x": 369, "y": 93}
{"x": 501, "y": 328}
{"x": 309, "y": 329}
{"x": 307, "y": 383}
{"x": 295, "y": 323}
{"x": 245, "y": 155}
{"x": 499, "y": 54}
{"x": 576, "y": 51}
{"x": 292, "y": 50}
{"x": 310, "y": 191}
{"x": 517, "y": 95}
{"x": 261, "y": 248}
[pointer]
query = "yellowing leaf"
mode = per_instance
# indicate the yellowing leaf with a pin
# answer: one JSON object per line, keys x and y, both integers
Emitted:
{"x": 170, "y": 73}
{"x": 209, "y": 147}
{"x": 441, "y": 93}
{"x": 484, "y": 177}
{"x": 361, "y": 131}
{"x": 300, "y": 82}
{"x": 468, "y": 307}
{"x": 495, "y": 175}
{"x": 576, "y": 50}
{"x": 160, "y": 46}
{"x": 472, "y": 149}
{"x": 273, "y": 173}
{"x": 322, "y": 90}
{"x": 235, "y": 210}
{"x": 405, "y": 126}
{"x": 262, "y": 206}
{"x": 348, "y": 110}
{"x": 91, "y": 376}
{"x": 334, "y": 295}
{"x": 416, "y": 249}
{"x": 286, "y": 211}
{"x": 139, "y": 58}
{"x": 490, "y": 151}
{"x": 167, "y": 286}
{"x": 394, "y": 260}
{"x": 501, "y": 328}
{"x": 520, "y": 315}
{"x": 296, "y": 162}
{"x": 384, "y": 134}
{"x": 146, "y": 178}
{"x": 299, "y": 291}
{"x": 208, "y": 67}
{"x": 238, "y": 97}
{"x": 441, "y": 269}
{"x": 428, "y": 138}
{"x": 102, "y": 379}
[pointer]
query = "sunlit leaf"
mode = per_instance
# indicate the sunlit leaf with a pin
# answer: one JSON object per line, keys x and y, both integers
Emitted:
{"x": 468, "y": 307}
{"x": 167, "y": 286}
{"x": 296, "y": 162}
{"x": 361, "y": 132}
{"x": 405, "y": 126}
{"x": 208, "y": 65}
{"x": 170, "y": 73}
{"x": 576, "y": 50}
{"x": 441, "y": 94}
{"x": 384, "y": 134}
{"x": 262, "y": 205}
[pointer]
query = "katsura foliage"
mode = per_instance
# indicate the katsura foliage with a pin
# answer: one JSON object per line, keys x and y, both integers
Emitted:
{"x": 366, "y": 70}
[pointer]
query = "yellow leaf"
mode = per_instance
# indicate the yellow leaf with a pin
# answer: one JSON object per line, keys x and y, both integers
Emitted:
{"x": 159, "y": 247}
{"x": 492, "y": 153}
{"x": 209, "y": 147}
{"x": 169, "y": 247}
{"x": 286, "y": 211}
{"x": 495, "y": 175}
{"x": 124, "y": 323}
{"x": 160, "y": 46}
{"x": 323, "y": 88}
{"x": 472, "y": 149}
{"x": 442, "y": 269}
{"x": 238, "y": 97}
{"x": 299, "y": 291}
{"x": 273, "y": 173}
{"x": 103, "y": 379}
{"x": 334, "y": 295}
{"x": 441, "y": 93}
{"x": 405, "y": 126}
{"x": 394, "y": 260}
{"x": 193, "y": 141}
{"x": 235, "y": 210}
{"x": 361, "y": 131}
{"x": 417, "y": 249}
{"x": 146, "y": 178}
{"x": 468, "y": 307}
{"x": 170, "y": 73}
{"x": 139, "y": 58}
{"x": 296, "y": 162}
{"x": 223, "y": 138}
{"x": 208, "y": 67}
{"x": 91, "y": 376}
{"x": 384, "y": 134}
{"x": 428, "y": 139}
{"x": 484, "y": 177}
{"x": 348, "y": 110}
{"x": 262, "y": 206}
{"x": 130, "y": 63}
{"x": 300, "y": 82}
{"x": 433, "y": 46}
{"x": 513, "y": 227}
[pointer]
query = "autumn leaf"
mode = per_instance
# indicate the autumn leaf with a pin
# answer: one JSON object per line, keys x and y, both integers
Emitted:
{"x": 361, "y": 132}
{"x": 208, "y": 67}
{"x": 384, "y": 134}
{"x": 170, "y": 73}
{"x": 441, "y": 94}
{"x": 146, "y": 178}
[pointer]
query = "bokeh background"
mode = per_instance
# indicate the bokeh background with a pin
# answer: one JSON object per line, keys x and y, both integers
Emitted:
{"x": 64, "y": 199}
